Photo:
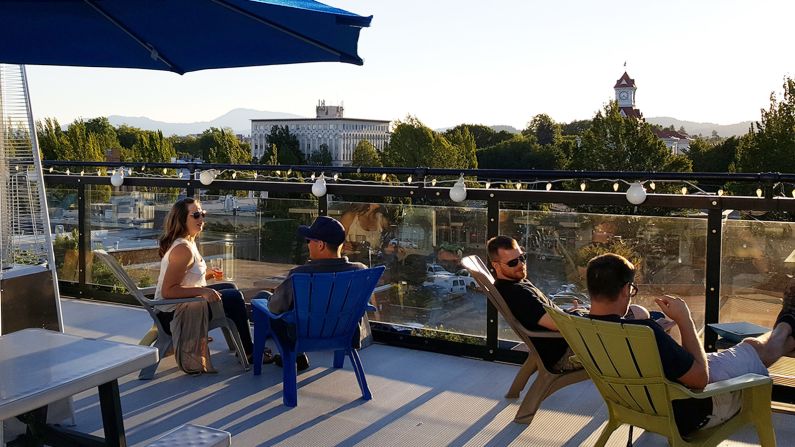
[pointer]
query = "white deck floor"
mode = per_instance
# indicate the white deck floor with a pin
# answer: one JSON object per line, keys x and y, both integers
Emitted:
{"x": 419, "y": 399}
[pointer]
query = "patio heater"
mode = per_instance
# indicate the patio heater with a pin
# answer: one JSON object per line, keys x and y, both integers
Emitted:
{"x": 28, "y": 280}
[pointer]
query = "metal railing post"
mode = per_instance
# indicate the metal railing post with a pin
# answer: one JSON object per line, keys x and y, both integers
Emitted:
{"x": 492, "y": 318}
{"x": 712, "y": 276}
{"x": 83, "y": 235}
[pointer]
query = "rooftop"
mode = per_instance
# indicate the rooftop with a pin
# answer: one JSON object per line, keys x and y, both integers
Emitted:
{"x": 420, "y": 398}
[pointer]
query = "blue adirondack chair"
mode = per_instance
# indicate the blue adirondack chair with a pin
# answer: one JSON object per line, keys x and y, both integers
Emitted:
{"x": 326, "y": 313}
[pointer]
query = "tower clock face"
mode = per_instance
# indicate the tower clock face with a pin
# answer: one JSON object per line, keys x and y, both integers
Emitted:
{"x": 623, "y": 95}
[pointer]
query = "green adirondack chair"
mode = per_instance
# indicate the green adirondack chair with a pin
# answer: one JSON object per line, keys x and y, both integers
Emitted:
{"x": 624, "y": 364}
{"x": 546, "y": 381}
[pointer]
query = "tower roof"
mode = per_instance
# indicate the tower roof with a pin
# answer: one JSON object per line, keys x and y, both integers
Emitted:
{"x": 625, "y": 81}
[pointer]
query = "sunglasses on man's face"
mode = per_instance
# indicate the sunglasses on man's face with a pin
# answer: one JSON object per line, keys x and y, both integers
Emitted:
{"x": 515, "y": 261}
{"x": 198, "y": 214}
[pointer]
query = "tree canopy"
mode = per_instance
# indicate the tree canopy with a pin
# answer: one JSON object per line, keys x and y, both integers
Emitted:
{"x": 617, "y": 143}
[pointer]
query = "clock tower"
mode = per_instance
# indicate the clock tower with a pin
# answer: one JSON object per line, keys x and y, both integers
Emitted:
{"x": 625, "y": 97}
{"x": 625, "y": 91}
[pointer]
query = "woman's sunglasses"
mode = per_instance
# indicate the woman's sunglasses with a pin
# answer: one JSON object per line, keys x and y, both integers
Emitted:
{"x": 198, "y": 214}
{"x": 515, "y": 261}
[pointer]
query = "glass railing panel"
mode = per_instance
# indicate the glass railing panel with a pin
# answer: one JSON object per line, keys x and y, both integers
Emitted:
{"x": 669, "y": 254}
{"x": 62, "y": 204}
{"x": 127, "y": 224}
{"x": 425, "y": 290}
{"x": 254, "y": 238}
{"x": 757, "y": 263}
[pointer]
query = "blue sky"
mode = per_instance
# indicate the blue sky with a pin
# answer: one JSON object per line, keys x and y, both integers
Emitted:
{"x": 500, "y": 62}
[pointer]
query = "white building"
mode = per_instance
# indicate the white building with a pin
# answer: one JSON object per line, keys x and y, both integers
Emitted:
{"x": 340, "y": 135}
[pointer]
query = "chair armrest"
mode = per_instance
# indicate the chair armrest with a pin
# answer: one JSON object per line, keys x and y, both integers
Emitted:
{"x": 542, "y": 334}
{"x": 262, "y": 306}
{"x": 156, "y": 303}
{"x": 726, "y": 386}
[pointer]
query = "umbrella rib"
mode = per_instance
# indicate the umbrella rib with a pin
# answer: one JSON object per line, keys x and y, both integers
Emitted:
{"x": 151, "y": 49}
{"x": 287, "y": 31}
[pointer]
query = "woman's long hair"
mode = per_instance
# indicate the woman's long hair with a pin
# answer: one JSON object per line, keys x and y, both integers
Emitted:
{"x": 175, "y": 226}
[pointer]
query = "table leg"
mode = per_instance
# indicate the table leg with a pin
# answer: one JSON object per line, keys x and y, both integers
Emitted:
{"x": 112, "y": 420}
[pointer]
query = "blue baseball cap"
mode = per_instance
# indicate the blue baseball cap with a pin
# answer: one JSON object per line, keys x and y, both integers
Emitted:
{"x": 324, "y": 229}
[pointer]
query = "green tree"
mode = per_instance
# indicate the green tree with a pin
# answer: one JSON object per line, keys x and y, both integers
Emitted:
{"x": 484, "y": 136}
{"x": 105, "y": 133}
{"x": 575, "y": 128}
{"x": 365, "y": 154}
{"x": 52, "y": 140}
{"x": 618, "y": 143}
{"x": 720, "y": 157}
{"x": 464, "y": 144}
{"x": 321, "y": 157}
{"x": 149, "y": 146}
{"x": 414, "y": 144}
{"x": 770, "y": 143}
{"x": 544, "y": 128}
{"x": 289, "y": 151}
{"x": 522, "y": 152}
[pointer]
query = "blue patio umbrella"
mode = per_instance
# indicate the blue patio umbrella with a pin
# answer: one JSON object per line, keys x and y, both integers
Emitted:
{"x": 176, "y": 35}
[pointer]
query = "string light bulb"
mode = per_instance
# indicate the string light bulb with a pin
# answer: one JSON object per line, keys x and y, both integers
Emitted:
{"x": 720, "y": 192}
{"x": 319, "y": 188}
{"x": 336, "y": 176}
{"x": 312, "y": 177}
{"x": 165, "y": 171}
{"x": 433, "y": 182}
{"x": 117, "y": 178}
{"x": 488, "y": 185}
{"x": 289, "y": 171}
{"x": 82, "y": 172}
{"x": 636, "y": 194}
{"x": 50, "y": 169}
{"x": 615, "y": 186}
{"x": 518, "y": 185}
{"x": 179, "y": 174}
{"x": 653, "y": 185}
{"x": 759, "y": 192}
{"x": 234, "y": 175}
{"x": 408, "y": 180}
{"x": 684, "y": 190}
{"x": 458, "y": 193}
{"x": 383, "y": 177}
{"x": 582, "y": 186}
{"x": 549, "y": 186}
{"x": 206, "y": 177}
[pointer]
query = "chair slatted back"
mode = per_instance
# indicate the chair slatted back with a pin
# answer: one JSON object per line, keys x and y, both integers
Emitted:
{"x": 477, "y": 268}
{"x": 622, "y": 360}
{"x": 328, "y": 306}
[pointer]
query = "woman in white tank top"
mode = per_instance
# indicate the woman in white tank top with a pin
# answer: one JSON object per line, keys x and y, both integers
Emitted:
{"x": 184, "y": 274}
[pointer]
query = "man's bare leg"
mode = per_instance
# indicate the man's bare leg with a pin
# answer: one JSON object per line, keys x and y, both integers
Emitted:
{"x": 773, "y": 345}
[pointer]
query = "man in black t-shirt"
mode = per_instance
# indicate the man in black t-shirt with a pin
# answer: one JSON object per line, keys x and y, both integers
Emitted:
{"x": 610, "y": 285}
{"x": 527, "y": 302}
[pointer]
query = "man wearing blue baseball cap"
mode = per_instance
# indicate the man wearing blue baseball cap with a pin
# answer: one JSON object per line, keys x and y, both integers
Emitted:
{"x": 324, "y": 238}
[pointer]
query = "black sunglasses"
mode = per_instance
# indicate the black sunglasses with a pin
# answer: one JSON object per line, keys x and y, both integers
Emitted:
{"x": 198, "y": 214}
{"x": 515, "y": 261}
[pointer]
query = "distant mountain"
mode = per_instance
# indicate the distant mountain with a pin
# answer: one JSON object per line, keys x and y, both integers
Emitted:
{"x": 237, "y": 119}
{"x": 705, "y": 129}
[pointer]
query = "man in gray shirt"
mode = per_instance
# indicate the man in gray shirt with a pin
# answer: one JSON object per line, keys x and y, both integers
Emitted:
{"x": 324, "y": 238}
